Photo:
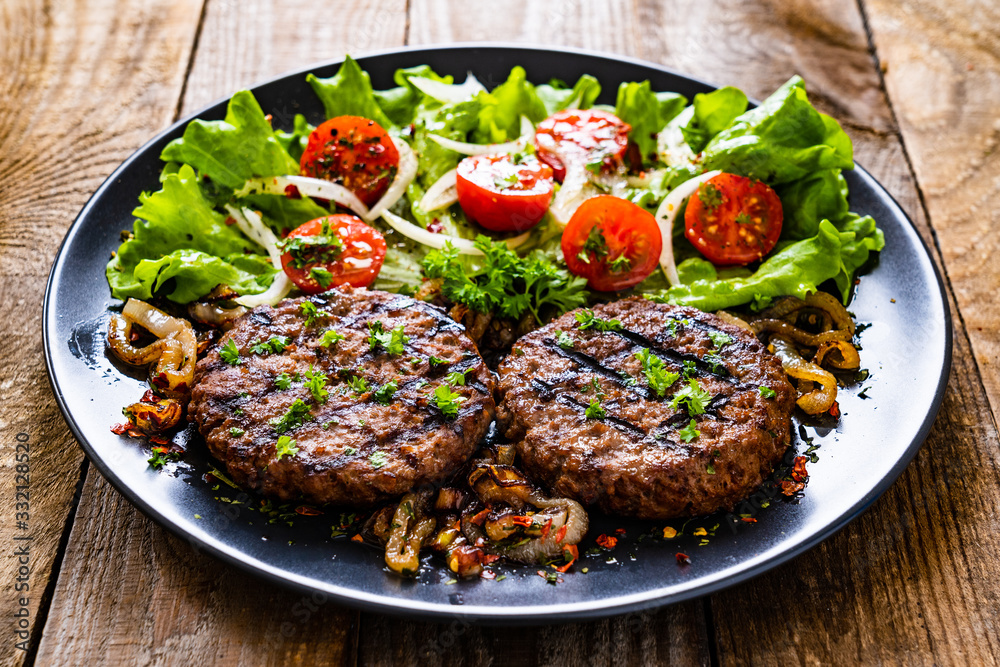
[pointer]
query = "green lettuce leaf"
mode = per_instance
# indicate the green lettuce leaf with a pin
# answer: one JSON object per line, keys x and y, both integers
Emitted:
{"x": 400, "y": 104}
{"x": 349, "y": 93}
{"x": 819, "y": 196}
{"x": 710, "y": 114}
{"x": 556, "y": 96}
{"x": 647, "y": 112}
{"x": 283, "y": 214}
{"x": 854, "y": 253}
{"x": 782, "y": 140}
{"x": 501, "y": 109}
{"x": 295, "y": 142}
{"x": 796, "y": 270}
{"x": 234, "y": 150}
{"x": 181, "y": 248}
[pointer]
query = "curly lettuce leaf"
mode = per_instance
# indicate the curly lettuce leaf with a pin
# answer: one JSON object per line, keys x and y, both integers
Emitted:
{"x": 854, "y": 253}
{"x": 819, "y": 196}
{"x": 782, "y": 140}
{"x": 401, "y": 103}
{"x": 281, "y": 213}
{"x": 234, "y": 150}
{"x": 181, "y": 248}
{"x": 501, "y": 109}
{"x": 556, "y": 96}
{"x": 647, "y": 112}
{"x": 349, "y": 93}
{"x": 797, "y": 270}
{"x": 295, "y": 142}
{"x": 710, "y": 114}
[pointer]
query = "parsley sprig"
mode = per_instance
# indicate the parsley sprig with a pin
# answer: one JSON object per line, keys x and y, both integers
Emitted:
{"x": 297, "y": 414}
{"x": 505, "y": 283}
{"x": 385, "y": 393}
{"x": 447, "y": 401}
{"x": 285, "y": 447}
{"x": 658, "y": 377}
{"x": 689, "y": 432}
{"x": 694, "y": 399}
{"x": 595, "y": 410}
{"x": 393, "y": 342}
{"x": 588, "y": 320}
{"x": 316, "y": 384}
{"x": 330, "y": 338}
{"x": 273, "y": 345}
{"x": 230, "y": 353}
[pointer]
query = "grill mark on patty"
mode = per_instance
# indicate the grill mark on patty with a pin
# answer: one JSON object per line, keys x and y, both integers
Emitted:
{"x": 595, "y": 365}
{"x": 622, "y": 424}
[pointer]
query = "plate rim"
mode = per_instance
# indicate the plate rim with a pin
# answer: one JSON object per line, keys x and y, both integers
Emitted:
{"x": 482, "y": 614}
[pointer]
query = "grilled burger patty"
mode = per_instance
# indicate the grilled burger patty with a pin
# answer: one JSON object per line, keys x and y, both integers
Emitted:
{"x": 637, "y": 458}
{"x": 356, "y": 445}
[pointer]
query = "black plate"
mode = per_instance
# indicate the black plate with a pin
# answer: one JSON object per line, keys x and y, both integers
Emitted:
{"x": 907, "y": 348}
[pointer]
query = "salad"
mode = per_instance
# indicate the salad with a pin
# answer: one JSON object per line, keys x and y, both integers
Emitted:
{"x": 524, "y": 201}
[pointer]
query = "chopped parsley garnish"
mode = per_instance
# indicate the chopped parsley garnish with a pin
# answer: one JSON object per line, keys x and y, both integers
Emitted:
{"x": 378, "y": 459}
{"x": 742, "y": 218}
{"x": 689, "y": 432}
{"x": 672, "y": 327}
{"x": 595, "y": 166}
{"x": 316, "y": 384}
{"x": 385, "y": 393}
{"x": 658, "y": 377}
{"x": 274, "y": 344}
{"x": 719, "y": 339}
{"x": 506, "y": 284}
{"x": 161, "y": 456}
{"x": 285, "y": 447}
{"x": 230, "y": 353}
{"x": 620, "y": 264}
{"x": 595, "y": 245}
{"x": 447, "y": 401}
{"x": 715, "y": 361}
{"x": 435, "y": 361}
{"x": 693, "y": 397}
{"x": 331, "y": 422}
{"x": 350, "y": 451}
{"x": 588, "y": 320}
{"x": 710, "y": 196}
{"x": 283, "y": 381}
{"x": 595, "y": 410}
{"x": 456, "y": 378}
{"x": 330, "y": 337}
{"x": 323, "y": 248}
{"x": 564, "y": 340}
{"x": 312, "y": 313}
{"x": 505, "y": 182}
{"x": 358, "y": 384}
{"x": 767, "y": 392}
{"x": 392, "y": 342}
{"x": 321, "y": 276}
{"x": 297, "y": 414}
{"x": 236, "y": 432}
{"x": 710, "y": 469}
{"x": 690, "y": 368}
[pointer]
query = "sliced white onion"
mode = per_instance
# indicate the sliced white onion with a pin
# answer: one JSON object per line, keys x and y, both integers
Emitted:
{"x": 405, "y": 174}
{"x": 448, "y": 92}
{"x": 254, "y": 228}
{"x": 443, "y": 193}
{"x": 310, "y": 187}
{"x": 644, "y": 179}
{"x": 665, "y": 216}
{"x": 422, "y": 236}
{"x": 465, "y": 148}
{"x": 576, "y": 188}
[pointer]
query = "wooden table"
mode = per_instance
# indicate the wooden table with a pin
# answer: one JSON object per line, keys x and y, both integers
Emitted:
{"x": 915, "y": 83}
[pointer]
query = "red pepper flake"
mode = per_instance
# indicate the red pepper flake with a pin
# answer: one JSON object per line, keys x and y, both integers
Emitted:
{"x": 305, "y": 510}
{"x": 546, "y": 528}
{"x": 607, "y": 542}
{"x": 683, "y": 559}
{"x": 486, "y": 559}
{"x": 488, "y": 574}
{"x": 150, "y": 397}
{"x": 121, "y": 429}
{"x": 230, "y": 221}
{"x": 292, "y": 192}
{"x": 799, "y": 473}
{"x": 524, "y": 521}
{"x": 790, "y": 488}
{"x": 357, "y": 538}
{"x": 155, "y": 439}
{"x": 561, "y": 533}
{"x": 435, "y": 227}
{"x": 835, "y": 410}
{"x": 570, "y": 554}
{"x": 479, "y": 518}
{"x": 748, "y": 519}
{"x": 620, "y": 531}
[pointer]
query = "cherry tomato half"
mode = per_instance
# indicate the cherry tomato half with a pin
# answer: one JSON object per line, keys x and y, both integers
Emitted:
{"x": 733, "y": 219}
{"x": 611, "y": 242}
{"x": 331, "y": 251}
{"x": 504, "y": 193}
{"x": 589, "y": 136}
{"x": 354, "y": 152}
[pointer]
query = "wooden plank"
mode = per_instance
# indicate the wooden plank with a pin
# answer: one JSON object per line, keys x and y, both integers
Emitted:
{"x": 84, "y": 85}
{"x": 130, "y": 593}
{"x": 942, "y": 73}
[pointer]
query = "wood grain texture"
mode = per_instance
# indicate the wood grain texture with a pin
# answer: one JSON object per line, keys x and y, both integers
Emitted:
{"x": 942, "y": 74}
{"x": 83, "y": 85}
{"x": 130, "y": 593}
